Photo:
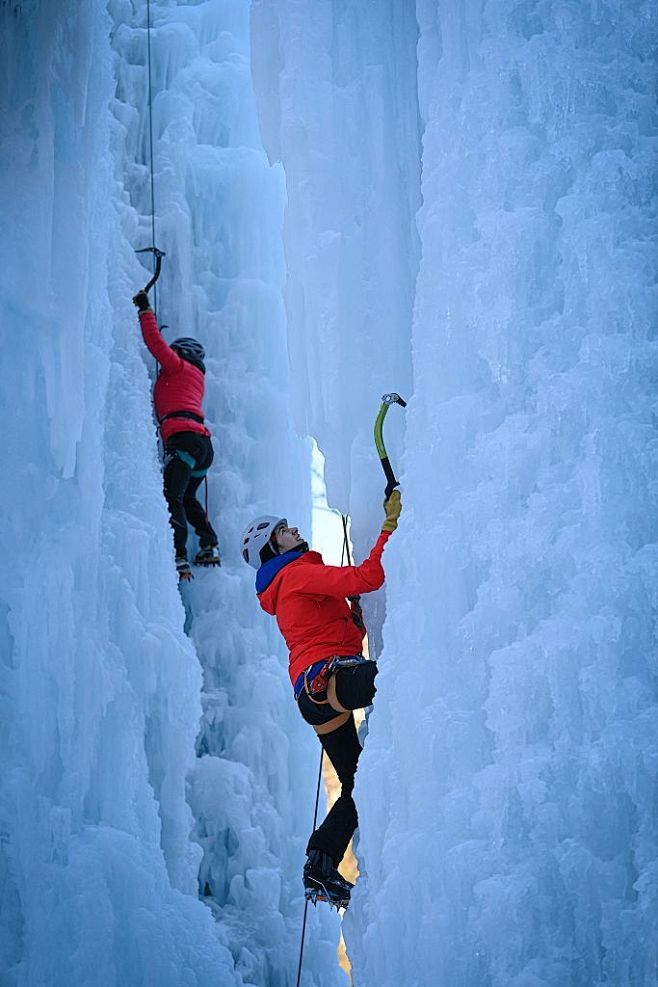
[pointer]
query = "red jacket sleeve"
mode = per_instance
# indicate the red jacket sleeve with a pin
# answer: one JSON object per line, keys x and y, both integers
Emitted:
{"x": 156, "y": 345}
{"x": 349, "y": 580}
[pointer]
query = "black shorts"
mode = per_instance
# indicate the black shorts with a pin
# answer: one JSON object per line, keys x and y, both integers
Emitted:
{"x": 355, "y": 689}
{"x": 316, "y": 711}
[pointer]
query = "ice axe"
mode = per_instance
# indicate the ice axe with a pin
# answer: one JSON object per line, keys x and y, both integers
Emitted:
{"x": 387, "y": 401}
{"x": 158, "y": 254}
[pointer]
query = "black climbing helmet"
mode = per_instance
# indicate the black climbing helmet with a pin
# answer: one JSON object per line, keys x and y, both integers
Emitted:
{"x": 189, "y": 349}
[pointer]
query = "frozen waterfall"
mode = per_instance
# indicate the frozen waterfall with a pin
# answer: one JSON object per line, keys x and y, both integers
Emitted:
{"x": 455, "y": 200}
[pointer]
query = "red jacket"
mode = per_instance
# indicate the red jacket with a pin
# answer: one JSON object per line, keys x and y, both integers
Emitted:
{"x": 179, "y": 386}
{"x": 308, "y": 599}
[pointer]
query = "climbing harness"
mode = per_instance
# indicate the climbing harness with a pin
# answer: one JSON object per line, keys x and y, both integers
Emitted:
{"x": 387, "y": 401}
{"x": 192, "y": 415}
{"x": 314, "y": 680}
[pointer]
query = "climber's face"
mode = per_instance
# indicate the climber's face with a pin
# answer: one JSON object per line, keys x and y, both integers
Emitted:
{"x": 286, "y": 538}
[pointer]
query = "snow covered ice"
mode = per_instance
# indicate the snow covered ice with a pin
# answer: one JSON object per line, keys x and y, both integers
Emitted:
{"x": 451, "y": 200}
{"x": 110, "y": 825}
{"x": 507, "y": 790}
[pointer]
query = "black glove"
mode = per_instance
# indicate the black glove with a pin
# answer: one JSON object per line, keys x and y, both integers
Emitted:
{"x": 141, "y": 300}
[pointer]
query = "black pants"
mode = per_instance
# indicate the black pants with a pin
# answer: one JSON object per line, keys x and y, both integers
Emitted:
{"x": 355, "y": 689}
{"x": 180, "y": 488}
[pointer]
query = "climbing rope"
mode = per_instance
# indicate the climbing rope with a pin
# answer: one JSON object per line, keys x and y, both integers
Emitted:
{"x": 157, "y": 253}
{"x": 150, "y": 101}
{"x": 346, "y": 543}
{"x": 315, "y": 820}
{"x": 355, "y": 601}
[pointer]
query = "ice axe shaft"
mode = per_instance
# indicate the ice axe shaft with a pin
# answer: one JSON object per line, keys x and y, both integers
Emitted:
{"x": 387, "y": 401}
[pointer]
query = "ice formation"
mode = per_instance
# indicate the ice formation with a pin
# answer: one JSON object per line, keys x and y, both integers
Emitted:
{"x": 451, "y": 200}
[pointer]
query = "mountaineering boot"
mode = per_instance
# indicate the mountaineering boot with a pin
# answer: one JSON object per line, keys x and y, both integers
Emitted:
{"x": 208, "y": 556}
{"x": 183, "y": 568}
{"x": 322, "y": 882}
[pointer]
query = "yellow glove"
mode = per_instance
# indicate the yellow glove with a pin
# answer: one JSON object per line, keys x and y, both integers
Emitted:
{"x": 392, "y": 506}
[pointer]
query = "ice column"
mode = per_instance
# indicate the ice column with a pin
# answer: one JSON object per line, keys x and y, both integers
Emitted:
{"x": 100, "y": 688}
{"x": 507, "y": 790}
{"x": 219, "y": 208}
{"x": 336, "y": 91}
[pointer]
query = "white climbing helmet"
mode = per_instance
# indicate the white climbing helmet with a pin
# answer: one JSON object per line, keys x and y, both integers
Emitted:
{"x": 257, "y": 537}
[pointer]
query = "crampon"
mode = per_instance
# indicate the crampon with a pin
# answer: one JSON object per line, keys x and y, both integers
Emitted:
{"x": 335, "y": 899}
{"x": 322, "y": 882}
{"x": 208, "y": 556}
{"x": 183, "y": 569}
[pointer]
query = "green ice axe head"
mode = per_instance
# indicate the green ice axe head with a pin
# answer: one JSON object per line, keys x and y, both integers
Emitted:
{"x": 387, "y": 401}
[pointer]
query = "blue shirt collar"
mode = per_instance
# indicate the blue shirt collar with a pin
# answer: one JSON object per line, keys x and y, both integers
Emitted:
{"x": 269, "y": 569}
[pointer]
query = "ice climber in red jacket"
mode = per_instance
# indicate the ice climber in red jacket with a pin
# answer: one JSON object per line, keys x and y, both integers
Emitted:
{"x": 177, "y": 399}
{"x": 329, "y": 675}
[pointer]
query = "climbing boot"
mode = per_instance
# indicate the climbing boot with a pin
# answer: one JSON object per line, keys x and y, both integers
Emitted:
{"x": 183, "y": 568}
{"x": 208, "y": 556}
{"x": 322, "y": 882}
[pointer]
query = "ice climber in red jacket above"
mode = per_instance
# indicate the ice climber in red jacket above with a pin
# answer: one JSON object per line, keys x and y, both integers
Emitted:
{"x": 177, "y": 399}
{"x": 330, "y": 676}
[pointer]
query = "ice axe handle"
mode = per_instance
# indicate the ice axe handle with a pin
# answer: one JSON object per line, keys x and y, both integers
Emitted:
{"x": 390, "y": 476}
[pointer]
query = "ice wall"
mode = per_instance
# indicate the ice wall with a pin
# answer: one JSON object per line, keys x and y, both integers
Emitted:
{"x": 513, "y": 745}
{"x": 219, "y": 217}
{"x": 97, "y": 869}
{"x": 336, "y": 91}
{"x": 337, "y": 105}
{"x": 101, "y": 695}
{"x": 507, "y": 791}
